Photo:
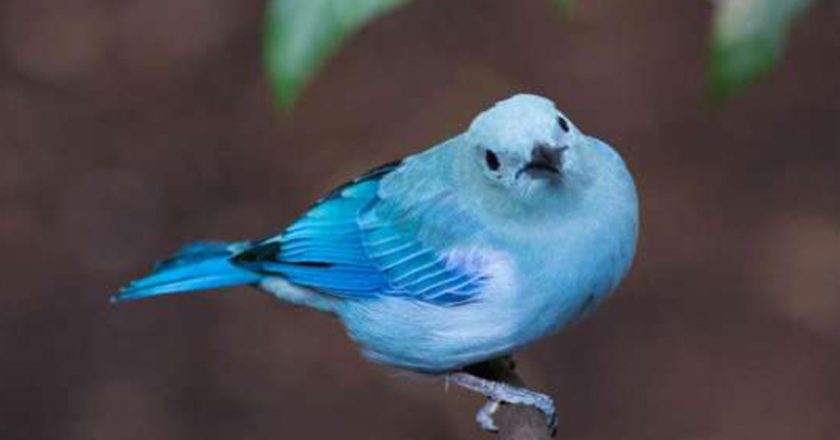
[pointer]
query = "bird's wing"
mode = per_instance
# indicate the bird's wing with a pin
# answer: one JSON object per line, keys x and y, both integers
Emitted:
{"x": 365, "y": 240}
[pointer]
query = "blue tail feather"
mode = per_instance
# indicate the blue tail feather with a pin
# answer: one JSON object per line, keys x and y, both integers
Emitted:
{"x": 197, "y": 266}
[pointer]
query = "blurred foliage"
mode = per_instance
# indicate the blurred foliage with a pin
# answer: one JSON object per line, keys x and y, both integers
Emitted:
{"x": 301, "y": 34}
{"x": 747, "y": 38}
{"x": 564, "y": 5}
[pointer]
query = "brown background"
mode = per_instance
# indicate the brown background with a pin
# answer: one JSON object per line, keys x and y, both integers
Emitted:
{"x": 129, "y": 127}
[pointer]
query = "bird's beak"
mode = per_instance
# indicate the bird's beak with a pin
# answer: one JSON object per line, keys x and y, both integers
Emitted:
{"x": 546, "y": 162}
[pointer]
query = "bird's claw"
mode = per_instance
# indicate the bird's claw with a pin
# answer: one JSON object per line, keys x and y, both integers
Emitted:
{"x": 500, "y": 392}
{"x": 484, "y": 416}
{"x": 545, "y": 404}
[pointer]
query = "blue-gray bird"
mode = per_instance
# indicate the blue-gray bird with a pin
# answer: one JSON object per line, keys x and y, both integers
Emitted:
{"x": 460, "y": 254}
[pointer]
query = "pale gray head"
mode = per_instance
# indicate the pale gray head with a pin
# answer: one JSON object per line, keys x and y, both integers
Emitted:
{"x": 526, "y": 145}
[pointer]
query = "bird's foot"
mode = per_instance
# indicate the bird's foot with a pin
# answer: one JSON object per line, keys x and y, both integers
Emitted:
{"x": 501, "y": 392}
{"x": 484, "y": 416}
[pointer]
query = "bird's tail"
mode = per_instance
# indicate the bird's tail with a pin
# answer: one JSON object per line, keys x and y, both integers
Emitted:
{"x": 197, "y": 266}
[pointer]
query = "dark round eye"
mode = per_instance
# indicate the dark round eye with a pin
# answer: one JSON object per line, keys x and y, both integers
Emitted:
{"x": 563, "y": 123}
{"x": 492, "y": 160}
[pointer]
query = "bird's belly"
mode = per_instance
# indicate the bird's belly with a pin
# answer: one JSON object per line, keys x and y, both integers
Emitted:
{"x": 430, "y": 338}
{"x": 545, "y": 293}
{"x": 433, "y": 338}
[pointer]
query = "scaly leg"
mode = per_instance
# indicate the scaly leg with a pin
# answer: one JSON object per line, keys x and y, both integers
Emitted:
{"x": 501, "y": 392}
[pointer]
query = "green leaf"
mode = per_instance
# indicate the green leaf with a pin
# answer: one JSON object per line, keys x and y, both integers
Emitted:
{"x": 748, "y": 38}
{"x": 564, "y": 5}
{"x": 301, "y": 34}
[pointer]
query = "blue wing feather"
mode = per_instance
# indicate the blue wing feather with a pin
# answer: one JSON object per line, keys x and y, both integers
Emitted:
{"x": 347, "y": 247}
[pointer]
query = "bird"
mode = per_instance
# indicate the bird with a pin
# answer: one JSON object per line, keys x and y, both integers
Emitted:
{"x": 464, "y": 253}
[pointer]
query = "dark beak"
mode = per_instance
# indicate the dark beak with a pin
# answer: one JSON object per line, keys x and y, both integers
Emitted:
{"x": 546, "y": 162}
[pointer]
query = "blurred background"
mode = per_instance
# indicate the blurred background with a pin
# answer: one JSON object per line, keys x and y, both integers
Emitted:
{"x": 130, "y": 127}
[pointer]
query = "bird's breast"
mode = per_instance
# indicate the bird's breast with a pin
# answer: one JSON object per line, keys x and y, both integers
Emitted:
{"x": 565, "y": 275}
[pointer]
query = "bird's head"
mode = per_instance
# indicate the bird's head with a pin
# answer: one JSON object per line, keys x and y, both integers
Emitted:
{"x": 524, "y": 145}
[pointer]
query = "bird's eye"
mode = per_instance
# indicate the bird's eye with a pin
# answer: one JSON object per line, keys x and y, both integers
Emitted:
{"x": 492, "y": 160}
{"x": 563, "y": 123}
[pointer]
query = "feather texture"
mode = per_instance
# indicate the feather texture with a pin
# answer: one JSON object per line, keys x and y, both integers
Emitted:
{"x": 355, "y": 244}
